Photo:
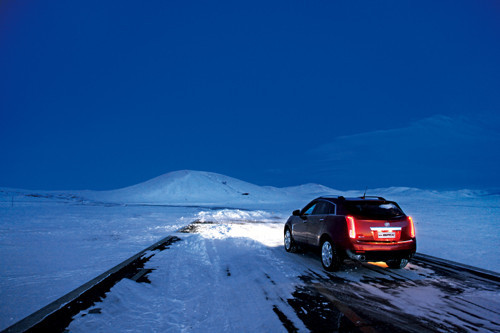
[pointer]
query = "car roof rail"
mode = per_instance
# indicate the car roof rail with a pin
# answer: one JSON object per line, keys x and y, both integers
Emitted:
{"x": 340, "y": 197}
{"x": 372, "y": 197}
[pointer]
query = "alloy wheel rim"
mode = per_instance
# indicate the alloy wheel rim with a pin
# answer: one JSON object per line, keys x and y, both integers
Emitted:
{"x": 326, "y": 254}
{"x": 287, "y": 239}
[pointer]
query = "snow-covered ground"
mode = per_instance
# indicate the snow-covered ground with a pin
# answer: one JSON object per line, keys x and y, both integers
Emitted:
{"x": 52, "y": 242}
{"x": 217, "y": 281}
{"x": 232, "y": 276}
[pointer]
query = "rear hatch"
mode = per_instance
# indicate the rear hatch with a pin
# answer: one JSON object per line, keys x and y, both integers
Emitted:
{"x": 377, "y": 221}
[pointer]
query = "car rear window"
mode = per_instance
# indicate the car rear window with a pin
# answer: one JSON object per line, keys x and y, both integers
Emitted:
{"x": 374, "y": 209}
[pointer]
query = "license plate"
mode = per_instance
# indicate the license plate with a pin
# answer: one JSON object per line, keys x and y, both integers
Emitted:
{"x": 386, "y": 234}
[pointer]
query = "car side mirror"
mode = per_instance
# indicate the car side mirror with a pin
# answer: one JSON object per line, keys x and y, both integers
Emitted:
{"x": 296, "y": 213}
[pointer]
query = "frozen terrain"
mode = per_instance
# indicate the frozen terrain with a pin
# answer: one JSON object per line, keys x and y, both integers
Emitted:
{"x": 52, "y": 242}
{"x": 232, "y": 276}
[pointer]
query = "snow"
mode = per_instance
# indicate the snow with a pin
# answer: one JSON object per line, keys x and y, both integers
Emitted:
{"x": 228, "y": 215}
{"x": 194, "y": 188}
{"x": 226, "y": 277}
{"x": 50, "y": 248}
{"x": 231, "y": 276}
{"x": 54, "y": 241}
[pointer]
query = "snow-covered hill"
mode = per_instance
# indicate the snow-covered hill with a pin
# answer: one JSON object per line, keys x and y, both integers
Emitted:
{"x": 187, "y": 187}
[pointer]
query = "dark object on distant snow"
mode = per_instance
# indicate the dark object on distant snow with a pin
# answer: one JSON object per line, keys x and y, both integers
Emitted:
{"x": 363, "y": 229}
{"x": 245, "y": 193}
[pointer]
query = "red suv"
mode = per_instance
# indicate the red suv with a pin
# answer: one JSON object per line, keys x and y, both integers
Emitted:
{"x": 363, "y": 229}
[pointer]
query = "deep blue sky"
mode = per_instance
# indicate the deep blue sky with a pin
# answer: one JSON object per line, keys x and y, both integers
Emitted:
{"x": 106, "y": 94}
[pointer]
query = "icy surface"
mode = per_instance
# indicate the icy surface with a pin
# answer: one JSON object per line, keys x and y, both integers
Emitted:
{"x": 52, "y": 242}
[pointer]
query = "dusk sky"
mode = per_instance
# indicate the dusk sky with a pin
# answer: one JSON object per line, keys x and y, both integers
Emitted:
{"x": 106, "y": 94}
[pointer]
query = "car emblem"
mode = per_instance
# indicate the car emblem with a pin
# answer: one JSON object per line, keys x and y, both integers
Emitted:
{"x": 387, "y": 224}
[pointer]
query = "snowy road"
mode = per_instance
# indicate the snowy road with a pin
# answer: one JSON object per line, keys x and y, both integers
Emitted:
{"x": 235, "y": 276}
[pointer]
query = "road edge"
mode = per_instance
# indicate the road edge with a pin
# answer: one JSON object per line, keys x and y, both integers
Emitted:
{"x": 476, "y": 271}
{"x": 48, "y": 318}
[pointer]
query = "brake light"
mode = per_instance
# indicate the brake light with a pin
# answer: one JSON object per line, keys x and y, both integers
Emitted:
{"x": 351, "y": 227}
{"x": 412, "y": 227}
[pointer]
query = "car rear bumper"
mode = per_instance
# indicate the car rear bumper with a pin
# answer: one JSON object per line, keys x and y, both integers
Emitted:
{"x": 381, "y": 251}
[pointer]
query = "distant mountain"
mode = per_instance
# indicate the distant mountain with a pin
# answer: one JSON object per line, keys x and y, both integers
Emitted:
{"x": 199, "y": 187}
{"x": 188, "y": 187}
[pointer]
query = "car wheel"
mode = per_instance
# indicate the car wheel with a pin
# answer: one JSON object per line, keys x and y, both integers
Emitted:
{"x": 397, "y": 263}
{"x": 289, "y": 242}
{"x": 329, "y": 256}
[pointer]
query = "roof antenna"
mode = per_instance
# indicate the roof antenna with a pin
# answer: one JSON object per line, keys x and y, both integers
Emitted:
{"x": 364, "y": 194}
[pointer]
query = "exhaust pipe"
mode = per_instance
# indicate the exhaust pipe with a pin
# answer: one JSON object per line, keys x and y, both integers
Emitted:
{"x": 357, "y": 257}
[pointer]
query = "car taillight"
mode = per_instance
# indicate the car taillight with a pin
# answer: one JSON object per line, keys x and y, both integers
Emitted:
{"x": 351, "y": 226}
{"x": 412, "y": 227}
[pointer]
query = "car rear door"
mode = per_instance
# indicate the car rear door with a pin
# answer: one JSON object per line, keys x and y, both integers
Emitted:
{"x": 316, "y": 221}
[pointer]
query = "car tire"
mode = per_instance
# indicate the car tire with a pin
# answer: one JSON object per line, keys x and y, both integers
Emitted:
{"x": 329, "y": 256}
{"x": 397, "y": 263}
{"x": 290, "y": 245}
